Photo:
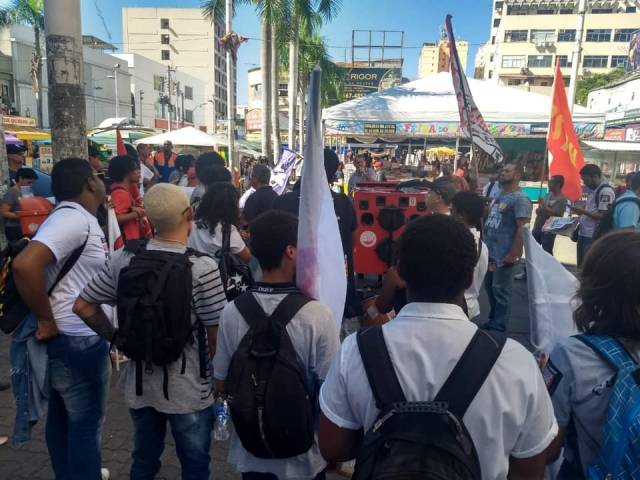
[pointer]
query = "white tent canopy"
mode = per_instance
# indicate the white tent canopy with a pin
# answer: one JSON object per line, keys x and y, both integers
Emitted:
{"x": 188, "y": 136}
{"x": 432, "y": 99}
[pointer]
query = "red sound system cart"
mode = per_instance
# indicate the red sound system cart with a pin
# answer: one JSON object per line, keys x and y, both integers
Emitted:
{"x": 383, "y": 209}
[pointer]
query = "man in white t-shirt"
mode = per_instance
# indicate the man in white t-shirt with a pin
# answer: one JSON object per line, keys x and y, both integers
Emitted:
{"x": 312, "y": 330}
{"x": 510, "y": 420}
{"x": 79, "y": 366}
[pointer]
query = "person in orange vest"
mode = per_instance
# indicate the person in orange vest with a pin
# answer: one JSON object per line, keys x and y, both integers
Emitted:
{"x": 165, "y": 161}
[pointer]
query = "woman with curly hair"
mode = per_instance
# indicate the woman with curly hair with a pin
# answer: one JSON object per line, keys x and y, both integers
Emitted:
{"x": 578, "y": 377}
{"x": 218, "y": 213}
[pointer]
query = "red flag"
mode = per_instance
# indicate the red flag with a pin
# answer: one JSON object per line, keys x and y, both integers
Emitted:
{"x": 122, "y": 150}
{"x": 564, "y": 148}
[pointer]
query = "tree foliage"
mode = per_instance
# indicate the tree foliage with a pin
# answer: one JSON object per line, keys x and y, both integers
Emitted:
{"x": 592, "y": 82}
{"x": 23, "y": 12}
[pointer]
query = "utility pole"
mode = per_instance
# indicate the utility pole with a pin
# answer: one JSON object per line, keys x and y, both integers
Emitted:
{"x": 67, "y": 109}
{"x": 577, "y": 53}
{"x": 115, "y": 81}
{"x": 231, "y": 109}
{"x": 169, "y": 107}
{"x": 141, "y": 98}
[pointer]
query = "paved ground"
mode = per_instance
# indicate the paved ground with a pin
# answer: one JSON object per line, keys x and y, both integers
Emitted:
{"x": 32, "y": 462}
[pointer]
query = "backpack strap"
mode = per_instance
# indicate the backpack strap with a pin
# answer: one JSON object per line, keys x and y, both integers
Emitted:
{"x": 610, "y": 350}
{"x": 251, "y": 311}
{"x": 599, "y": 191}
{"x": 288, "y": 308}
{"x": 379, "y": 368}
{"x": 471, "y": 371}
{"x": 73, "y": 258}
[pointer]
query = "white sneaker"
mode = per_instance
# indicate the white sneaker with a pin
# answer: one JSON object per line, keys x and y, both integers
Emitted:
{"x": 105, "y": 474}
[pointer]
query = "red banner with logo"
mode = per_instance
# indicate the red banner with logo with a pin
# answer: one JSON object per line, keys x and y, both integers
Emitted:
{"x": 564, "y": 148}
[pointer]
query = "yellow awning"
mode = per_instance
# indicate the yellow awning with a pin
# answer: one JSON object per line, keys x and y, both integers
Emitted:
{"x": 28, "y": 133}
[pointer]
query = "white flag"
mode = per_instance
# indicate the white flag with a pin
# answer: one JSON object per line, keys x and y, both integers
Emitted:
{"x": 321, "y": 272}
{"x": 552, "y": 289}
{"x": 115, "y": 235}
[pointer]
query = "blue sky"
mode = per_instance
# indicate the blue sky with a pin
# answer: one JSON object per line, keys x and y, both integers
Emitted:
{"x": 419, "y": 19}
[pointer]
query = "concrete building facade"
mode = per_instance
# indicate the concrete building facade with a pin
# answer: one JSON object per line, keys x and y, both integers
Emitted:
{"x": 149, "y": 94}
{"x": 182, "y": 39}
{"x": 16, "y": 86}
{"x": 436, "y": 57}
{"x": 528, "y": 37}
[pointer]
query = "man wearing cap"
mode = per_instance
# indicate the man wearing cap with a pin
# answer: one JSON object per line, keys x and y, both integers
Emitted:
{"x": 188, "y": 404}
{"x": 15, "y": 157}
{"x": 165, "y": 161}
{"x": 441, "y": 192}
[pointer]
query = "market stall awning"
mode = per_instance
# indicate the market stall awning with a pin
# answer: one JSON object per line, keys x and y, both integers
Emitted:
{"x": 428, "y": 107}
{"x": 188, "y": 136}
{"x": 613, "y": 146}
{"x": 28, "y": 133}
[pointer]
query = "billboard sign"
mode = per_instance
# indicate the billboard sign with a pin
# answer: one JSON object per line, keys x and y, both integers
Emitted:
{"x": 362, "y": 81}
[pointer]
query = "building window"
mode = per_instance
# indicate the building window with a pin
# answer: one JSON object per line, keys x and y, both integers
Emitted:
{"x": 165, "y": 39}
{"x": 283, "y": 90}
{"x": 514, "y": 61}
{"x": 188, "y": 92}
{"x": 493, "y": 40}
{"x": 496, "y": 22}
{"x": 498, "y": 5}
{"x": 595, "y": 61}
{"x": 623, "y": 34}
{"x": 545, "y": 11}
{"x": 567, "y": 35}
{"x": 602, "y": 10}
{"x": 164, "y": 23}
{"x": 165, "y": 55}
{"x": 514, "y": 82}
{"x": 490, "y": 74}
{"x": 563, "y": 60}
{"x": 539, "y": 61}
{"x": 188, "y": 116}
{"x": 544, "y": 84}
{"x": 598, "y": 35}
{"x": 516, "y": 36}
{"x": 566, "y": 11}
{"x": 511, "y": 10}
{"x": 158, "y": 83}
{"x": 619, "y": 61}
{"x": 541, "y": 36}
{"x": 630, "y": 10}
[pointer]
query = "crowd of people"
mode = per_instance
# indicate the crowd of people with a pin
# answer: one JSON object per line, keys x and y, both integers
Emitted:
{"x": 201, "y": 297}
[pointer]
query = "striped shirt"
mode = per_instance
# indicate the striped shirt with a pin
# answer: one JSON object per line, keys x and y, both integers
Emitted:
{"x": 188, "y": 392}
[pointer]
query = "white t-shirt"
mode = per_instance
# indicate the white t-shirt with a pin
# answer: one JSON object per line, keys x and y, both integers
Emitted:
{"x": 65, "y": 230}
{"x": 202, "y": 240}
{"x": 314, "y": 336}
{"x": 245, "y": 196}
{"x": 511, "y": 414}
{"x": 479, "y": 272}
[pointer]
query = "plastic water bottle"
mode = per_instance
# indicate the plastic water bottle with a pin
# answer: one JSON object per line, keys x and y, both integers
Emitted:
{"x": 221, "y": 428}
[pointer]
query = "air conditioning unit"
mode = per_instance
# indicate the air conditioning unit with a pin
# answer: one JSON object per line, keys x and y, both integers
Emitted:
{"x": 549, "y": 43}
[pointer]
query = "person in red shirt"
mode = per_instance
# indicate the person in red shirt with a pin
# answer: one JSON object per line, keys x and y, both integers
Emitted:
{"x": 124, "y": 172}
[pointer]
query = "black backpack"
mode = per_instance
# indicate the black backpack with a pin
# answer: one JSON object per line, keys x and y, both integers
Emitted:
{"x": 427, "y": 439}
{"x": 273, "y": 411}
{"x": 12, "y": 308}
{"x": 154, "y": 310}
{"x": 606, "y": 222}
{"x": 236, "y": 276}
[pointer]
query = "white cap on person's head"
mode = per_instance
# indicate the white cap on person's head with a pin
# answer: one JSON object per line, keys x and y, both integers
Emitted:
{"x": 165, "y": 205}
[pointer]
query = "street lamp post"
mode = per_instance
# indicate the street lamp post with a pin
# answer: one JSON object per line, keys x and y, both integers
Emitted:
{"x": 116, "y": 67}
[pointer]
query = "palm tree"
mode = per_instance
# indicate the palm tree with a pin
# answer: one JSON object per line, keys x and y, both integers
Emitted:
{"x": 313, "y": 51}
{"x": 271, "y": 12}
{"x": 306, "y": 17}
{"x": 31, "y": 13}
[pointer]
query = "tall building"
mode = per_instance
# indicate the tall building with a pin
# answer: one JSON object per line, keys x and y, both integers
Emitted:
{"x": 436, "y": 57}
{"x": 17, "y": 46}
{"x": 182, "y": 39}
{"x": 529, "y": 36}
{"x": 149, "y": 94}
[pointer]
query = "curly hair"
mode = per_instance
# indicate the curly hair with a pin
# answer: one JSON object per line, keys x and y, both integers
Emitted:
{"x": 218, "y": 205}
{"x": 436, "y": 257}
{"x": 121, "y": 166}
{"x": 609, "y": 282}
